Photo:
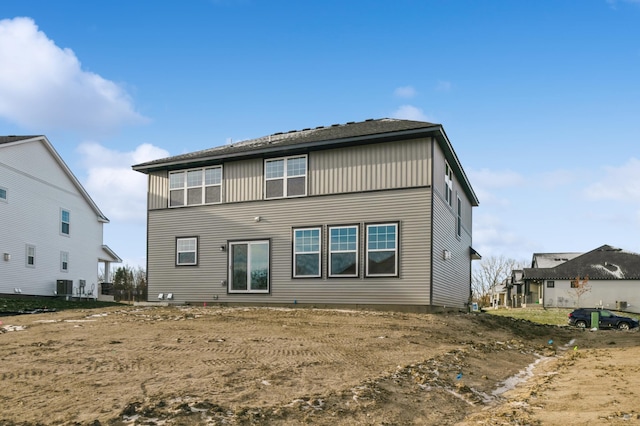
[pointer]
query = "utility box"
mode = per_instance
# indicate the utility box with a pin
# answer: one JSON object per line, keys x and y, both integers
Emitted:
{"x": 64, "y": 287}
{"x": 595, "y": 319}
{"x": 621, "y": 306}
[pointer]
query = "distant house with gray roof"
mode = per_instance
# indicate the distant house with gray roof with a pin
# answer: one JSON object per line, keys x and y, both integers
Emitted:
{"x": 613, "y": 277}
{"x": 375, "y": 213}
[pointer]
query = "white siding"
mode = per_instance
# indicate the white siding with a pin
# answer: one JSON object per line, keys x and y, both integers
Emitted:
{"x": 605, "y": 292}
{"x": 37, "y": 189}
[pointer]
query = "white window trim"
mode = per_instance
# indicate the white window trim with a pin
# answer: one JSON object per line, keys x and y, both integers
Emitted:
{"x": 62, "y": 222}
{"x": 230, "y": 265}
{"x": 195, "y": 251}
{"x": 396, "y": 249}
{"x": 356, "y": 251}
{"x": 26, "y": 259}
{"x": 318, "y": 252}
{"x": 285, "y": 177}
{"x": 4, "y": 199}
{"x": 185, "y": 187}
{"x": 64, "y": 257}
{"x": 448, "y": 184}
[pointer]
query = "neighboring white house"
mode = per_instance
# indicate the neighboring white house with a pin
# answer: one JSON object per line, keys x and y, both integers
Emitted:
{"x": 51, "y": 228}
{"x": 612, "y": 276}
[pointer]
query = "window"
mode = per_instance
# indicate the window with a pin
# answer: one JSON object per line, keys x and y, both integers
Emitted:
{"x": 343, "y": 251}
{"x": 65, "y": 222}
{"x": 3, "y": 194}
{"x": 249, "y": 267}
{"x": 551, "y": 284}
{"x": 306, "y": 252}
{"x": 459, "y": 219}
{"x": 186, "y": 251}
{"x": 64, "y": 261}
{"x": 31, "y": 256}
{"x": 574, "y": 284}
{"x": 194, "y": 187}
{"x": 448, "y": 184}
{"x": 382, "y": 250}
{"x": 285, "y": 177}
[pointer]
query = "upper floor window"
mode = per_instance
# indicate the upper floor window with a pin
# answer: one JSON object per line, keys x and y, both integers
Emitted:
{"x": 3, "y": 194}
{"x": 30, "y": 256}
{"x": 343, "y": 251}
{"x": 459, "y": 218}
{"x": 551, "y": 284}
{"x": 382, "y": 250}
{"x": 306, "y": 252}
{"x": 65, "y": 222}
{"x": 64, "y": 261}
{"x": 193, "y": 187}
{"x": 187, "y": 251}
{"x": 285, "y": 177}
{"x": 448, "y": 184}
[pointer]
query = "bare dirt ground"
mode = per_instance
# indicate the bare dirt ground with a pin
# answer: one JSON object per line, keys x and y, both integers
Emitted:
{"x": 241, "y": 366}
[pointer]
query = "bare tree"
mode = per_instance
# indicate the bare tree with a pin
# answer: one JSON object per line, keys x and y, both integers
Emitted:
{"x": 579, "y": 288}
{"x": 489, "y": 274}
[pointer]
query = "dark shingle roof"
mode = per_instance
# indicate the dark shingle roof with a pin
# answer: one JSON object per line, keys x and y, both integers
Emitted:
{"x": 9, "y": 139}
{"x": 336, "y": 133}
{"x": 603, "y": 263}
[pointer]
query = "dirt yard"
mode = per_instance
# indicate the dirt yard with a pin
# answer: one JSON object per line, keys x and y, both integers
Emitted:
{"x": 241, "y": 366}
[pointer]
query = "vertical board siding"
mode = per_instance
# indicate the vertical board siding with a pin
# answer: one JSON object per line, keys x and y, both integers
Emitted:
{"x": 37, "y": 188}
{"x": 158, "y": 191}
{"x": 215, "y": 225}
{"x": 373, "y": 167}
{"x": 451, "y": 277}
{"x": 242, "y": 181}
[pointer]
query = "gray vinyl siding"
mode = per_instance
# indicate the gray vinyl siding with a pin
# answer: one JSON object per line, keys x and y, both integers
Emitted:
{"x": 216, "y": 225}
{"x": 451, "y": 277}
{"x": 402, "y": 164}
{"x": 242, "y": 180}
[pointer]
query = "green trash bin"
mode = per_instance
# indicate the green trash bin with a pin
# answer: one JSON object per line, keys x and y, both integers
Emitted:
{"x": 595, "y": 319}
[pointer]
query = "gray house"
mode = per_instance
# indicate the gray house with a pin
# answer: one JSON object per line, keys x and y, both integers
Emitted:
{"x": 374, "y": 213}
{"x": 613, "y": 279}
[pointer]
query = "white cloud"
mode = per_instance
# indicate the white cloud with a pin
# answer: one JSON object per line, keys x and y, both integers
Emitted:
{"x": 443, "y": 86}
{"x": 405, "y": 92}
{"x": 409, "y": 112}
{"x": 119, "y": 191}
{"x": 618, "y": 184}
{"x": 45, "y": 87}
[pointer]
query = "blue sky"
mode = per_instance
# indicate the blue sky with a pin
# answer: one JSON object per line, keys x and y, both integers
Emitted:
{"x": 541, "y": 99}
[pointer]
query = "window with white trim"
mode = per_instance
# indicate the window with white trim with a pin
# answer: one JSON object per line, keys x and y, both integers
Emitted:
{"x": 343, "y": 251}
{"x": 186, "y": 251}
{"x": 551, "y": 284}
{"x": 64, "y": 261}
{"x": 382, "y": 250}
{"x": 249, "y": 266}
{"x": 30, "y": 256}
{"x": 3, "y": 194}
{"x": 448, "y": 184}
{"x": 307, "y": 246}
{"x": 285, "y": 177}
{"x": 459, "y": 218}
{"x": 195, "y": 187}
{"x": 65, "y": 222}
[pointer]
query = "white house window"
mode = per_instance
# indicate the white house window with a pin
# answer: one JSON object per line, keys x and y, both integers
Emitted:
{"x": 65, "y": 222}
{"x": 382, "y": 250}
{"x": 448, "y": 184}
{"x": 459, "y": 218}
{"x": 64, "y": 261}
{"x": 285, "y": 177}
{"x": 343, "y": 251}
{"x": 249, "y": 267}
{"x": 306, "y": 252}
{"x": 195, "y": 187}
{"x": 551, "y": 284}
{"x": 3, "y": 194}
{"x": 186, "y": 251}
{"x": 30, "y": 256}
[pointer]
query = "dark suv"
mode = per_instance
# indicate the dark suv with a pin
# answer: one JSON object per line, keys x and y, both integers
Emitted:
{"x": 582, "y": 318}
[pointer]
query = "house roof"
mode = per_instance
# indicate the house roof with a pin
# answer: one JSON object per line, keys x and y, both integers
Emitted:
{"x": 16, "y": 140}
{"x": 604, "y": 263}
{"x": 550, "y": 260}
{"x": 321, "y": 137}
